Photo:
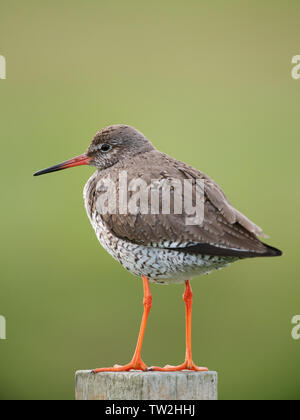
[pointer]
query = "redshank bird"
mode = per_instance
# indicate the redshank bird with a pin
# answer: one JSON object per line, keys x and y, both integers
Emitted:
{"x": 158, "y": 246}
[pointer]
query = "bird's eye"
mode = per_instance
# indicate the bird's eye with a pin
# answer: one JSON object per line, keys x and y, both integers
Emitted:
{"x": 105, "y": 147}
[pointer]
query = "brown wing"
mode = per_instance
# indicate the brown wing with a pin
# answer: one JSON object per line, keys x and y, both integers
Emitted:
{"x": 224, "y": 231}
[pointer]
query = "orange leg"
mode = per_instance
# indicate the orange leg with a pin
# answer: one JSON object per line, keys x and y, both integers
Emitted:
{"x": 136, "y": 362}
{"x": 188, "y": 363}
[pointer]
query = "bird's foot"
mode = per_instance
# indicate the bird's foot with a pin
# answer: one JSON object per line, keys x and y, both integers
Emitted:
{"x": 133, "y": 365}
{"x": 187, "y": 365}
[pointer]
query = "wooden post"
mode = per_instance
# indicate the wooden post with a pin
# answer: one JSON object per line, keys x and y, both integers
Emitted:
{"x": 137, "y": 385}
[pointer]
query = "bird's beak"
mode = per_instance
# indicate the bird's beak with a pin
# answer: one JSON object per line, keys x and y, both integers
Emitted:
{"x": 77, "y": 161}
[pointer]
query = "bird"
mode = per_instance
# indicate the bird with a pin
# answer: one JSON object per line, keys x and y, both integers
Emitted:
{"x": 160, "y": 247}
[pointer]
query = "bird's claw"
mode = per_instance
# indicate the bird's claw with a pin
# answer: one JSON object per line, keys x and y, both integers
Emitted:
{"x": 187, "y": 365}
{"x": 133, "y": 365}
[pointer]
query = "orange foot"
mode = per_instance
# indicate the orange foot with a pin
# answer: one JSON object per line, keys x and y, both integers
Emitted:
{"x": 133, "y": 365}
{"x": 187, "y": 365}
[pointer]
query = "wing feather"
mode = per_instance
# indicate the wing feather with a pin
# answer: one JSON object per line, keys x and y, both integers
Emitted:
{"x": 225, "y": 231}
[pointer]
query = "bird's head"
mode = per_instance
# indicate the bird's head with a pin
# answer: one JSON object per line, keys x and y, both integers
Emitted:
{"x": 109, "y": 146}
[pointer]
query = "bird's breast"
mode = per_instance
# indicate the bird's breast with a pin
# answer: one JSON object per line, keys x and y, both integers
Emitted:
{"x": 158, "y": 264}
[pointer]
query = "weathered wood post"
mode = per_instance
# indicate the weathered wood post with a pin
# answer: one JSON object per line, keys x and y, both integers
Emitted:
{"x": 137, "y": 385}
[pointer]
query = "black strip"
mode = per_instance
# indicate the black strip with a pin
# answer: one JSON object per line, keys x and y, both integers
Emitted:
{"x": 208, "y": 249}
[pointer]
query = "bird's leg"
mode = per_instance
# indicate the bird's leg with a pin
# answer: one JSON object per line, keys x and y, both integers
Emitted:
{"x": 188, "y": 363}
{"x": 136, "y": 362}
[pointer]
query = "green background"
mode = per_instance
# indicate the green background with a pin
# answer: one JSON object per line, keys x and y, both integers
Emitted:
{"x": 209, "y": 83}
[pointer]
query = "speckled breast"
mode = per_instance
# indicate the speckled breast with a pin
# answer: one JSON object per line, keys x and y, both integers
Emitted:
{"x": 158, "y": 264}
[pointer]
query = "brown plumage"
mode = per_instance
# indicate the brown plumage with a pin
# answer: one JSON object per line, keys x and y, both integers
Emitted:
{"x": 224, "y": 232}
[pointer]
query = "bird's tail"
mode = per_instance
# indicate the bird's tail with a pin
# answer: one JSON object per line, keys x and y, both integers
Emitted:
{"x": 271, "y": 252}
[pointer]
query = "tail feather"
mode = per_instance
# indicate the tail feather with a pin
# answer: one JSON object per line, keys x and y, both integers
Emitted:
{"x": 272, "y": 252}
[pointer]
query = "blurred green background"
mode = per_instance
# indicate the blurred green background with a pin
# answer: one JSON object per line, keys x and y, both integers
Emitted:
{"x": 209, "y": 83}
